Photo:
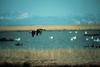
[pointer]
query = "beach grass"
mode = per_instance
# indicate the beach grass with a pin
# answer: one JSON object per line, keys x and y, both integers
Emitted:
{"x": 48, "y": 56}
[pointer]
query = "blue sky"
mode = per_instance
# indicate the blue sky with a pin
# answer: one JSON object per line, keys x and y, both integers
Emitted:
{"x": 58, "y": 12}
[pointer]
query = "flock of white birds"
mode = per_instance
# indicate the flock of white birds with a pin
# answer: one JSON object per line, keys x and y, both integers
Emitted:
{"x": 72, "y": 38}
{"x": 92, "y": 37}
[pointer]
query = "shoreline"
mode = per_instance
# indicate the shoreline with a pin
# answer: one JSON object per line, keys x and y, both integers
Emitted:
{"x": 50, "y": 27}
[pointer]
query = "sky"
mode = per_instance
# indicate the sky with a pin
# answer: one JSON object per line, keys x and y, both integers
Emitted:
{"x": 49, "y": 12}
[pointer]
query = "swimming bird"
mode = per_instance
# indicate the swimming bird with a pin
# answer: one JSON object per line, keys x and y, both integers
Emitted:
{"x": 19, "y": 44}
{"x": 6, "y": 39}
{"x": 92, "y": 34}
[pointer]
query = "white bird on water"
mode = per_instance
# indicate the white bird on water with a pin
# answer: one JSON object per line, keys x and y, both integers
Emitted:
{"x": 85, "y": 32}
{"x": 73, "y": 38}
{"x": 70, "y": 31}
{"x": 51, "y": 37}
{"x": 97, "y": 40}
{"x": 76, "y": 32}
{"x": 87, "y": 39}
{"x": 18, "y": 39}
{"x": 92, "y": 37}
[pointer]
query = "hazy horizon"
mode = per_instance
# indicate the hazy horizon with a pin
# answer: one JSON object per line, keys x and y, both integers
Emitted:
{"x": 49, "y": 12}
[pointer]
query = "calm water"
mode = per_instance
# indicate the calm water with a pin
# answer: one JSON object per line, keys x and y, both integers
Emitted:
{"x": 50, "y": 39}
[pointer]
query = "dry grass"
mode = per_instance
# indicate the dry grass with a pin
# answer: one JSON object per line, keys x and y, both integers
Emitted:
{"x": 47, "y": 56}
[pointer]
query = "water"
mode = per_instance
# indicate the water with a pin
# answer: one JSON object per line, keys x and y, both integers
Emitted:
{"x": 50, "y": 39}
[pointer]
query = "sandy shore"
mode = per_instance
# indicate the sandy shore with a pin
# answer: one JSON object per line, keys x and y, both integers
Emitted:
{"x": 47, "y": 56}
{"x": 49, "y": 27}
